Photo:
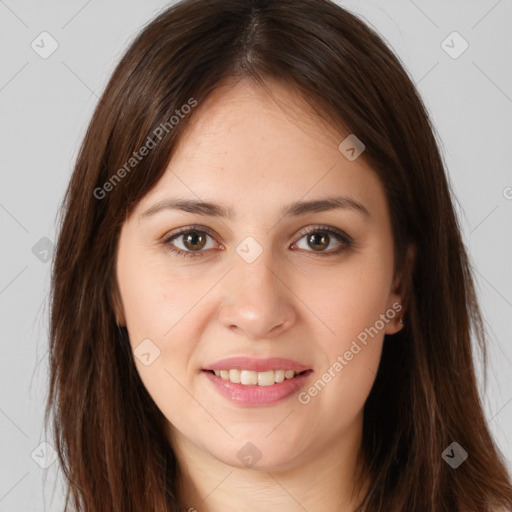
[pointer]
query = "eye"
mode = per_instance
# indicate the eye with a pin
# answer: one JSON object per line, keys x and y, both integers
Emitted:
{"x": 320, "y": 238}
{"x": 192, "y": 241}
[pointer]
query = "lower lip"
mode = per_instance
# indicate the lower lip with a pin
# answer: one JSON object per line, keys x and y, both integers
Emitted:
{"x": 257, "y": 395}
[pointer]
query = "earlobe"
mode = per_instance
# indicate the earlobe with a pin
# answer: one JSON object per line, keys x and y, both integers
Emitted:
{"x": 396, "y": 318}
{"x": 402, "y": 287}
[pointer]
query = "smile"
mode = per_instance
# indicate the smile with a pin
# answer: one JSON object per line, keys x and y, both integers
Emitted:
{"x": 252, "y": 378}
{"x": 257, "y": 389}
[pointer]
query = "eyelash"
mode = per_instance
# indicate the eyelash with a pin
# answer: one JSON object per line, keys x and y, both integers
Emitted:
{"x": 347, "y": 241}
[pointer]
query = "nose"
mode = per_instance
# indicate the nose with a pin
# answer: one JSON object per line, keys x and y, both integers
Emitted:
{"x": 257, "y": 303}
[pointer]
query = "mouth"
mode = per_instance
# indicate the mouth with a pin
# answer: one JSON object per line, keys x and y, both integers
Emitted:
{"x": 254, "y": 378}
{"x": 257, "y": 389}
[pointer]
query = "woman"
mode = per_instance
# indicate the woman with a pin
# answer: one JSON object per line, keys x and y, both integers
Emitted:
{"x": 260, "y": 293}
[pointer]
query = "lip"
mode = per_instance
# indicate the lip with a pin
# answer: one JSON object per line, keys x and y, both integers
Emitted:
{"x": 256, "y": 365}
{"x": 254, "y": 395}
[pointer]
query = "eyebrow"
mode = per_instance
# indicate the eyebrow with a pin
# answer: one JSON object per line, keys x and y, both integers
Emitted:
{"x": 294, "y": 209}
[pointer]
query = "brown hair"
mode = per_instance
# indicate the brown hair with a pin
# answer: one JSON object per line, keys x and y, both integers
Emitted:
{"x": 109, "y": 434}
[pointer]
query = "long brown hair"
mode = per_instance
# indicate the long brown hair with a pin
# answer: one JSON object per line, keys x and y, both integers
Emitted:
{"x": 109, "y": 434}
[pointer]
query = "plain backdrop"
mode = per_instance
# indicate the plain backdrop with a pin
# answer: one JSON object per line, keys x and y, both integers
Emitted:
{"x": 46, "y": 102}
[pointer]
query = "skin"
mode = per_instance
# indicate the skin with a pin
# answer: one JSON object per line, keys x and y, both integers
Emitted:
{"x": 247, "y": 151}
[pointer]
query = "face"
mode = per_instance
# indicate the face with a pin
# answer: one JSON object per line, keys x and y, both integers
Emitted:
{"x": 256, "y": 278}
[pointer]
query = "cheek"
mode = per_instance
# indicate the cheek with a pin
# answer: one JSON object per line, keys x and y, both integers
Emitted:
{"x": 154, "y": 300}
{"x": 350, "y": 350}
{"x": 338, "y": 394}
{"x": 350, "y": 305}
{"x": 158, "y": 312}
{"x": 349, "y": 300}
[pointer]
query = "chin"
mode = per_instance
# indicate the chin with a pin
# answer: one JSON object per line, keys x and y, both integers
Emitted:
{"x": 258, "y": 454}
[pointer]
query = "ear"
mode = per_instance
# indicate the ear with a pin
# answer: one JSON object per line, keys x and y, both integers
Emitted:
{"x": 400, "y": 292}
{"x": 117, "y": 304}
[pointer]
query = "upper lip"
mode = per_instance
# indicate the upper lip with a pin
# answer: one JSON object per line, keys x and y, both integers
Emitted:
{"x": 256, "y": 365}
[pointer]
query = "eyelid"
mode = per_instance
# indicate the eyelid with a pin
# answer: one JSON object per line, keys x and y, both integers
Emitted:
{"x": 167, "y": 239}
{"x": 187, "y": 229}
{"x": 329, "y": 229}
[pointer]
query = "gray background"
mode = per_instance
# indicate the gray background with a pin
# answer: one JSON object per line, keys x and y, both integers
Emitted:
{"x": 47, "y": 103}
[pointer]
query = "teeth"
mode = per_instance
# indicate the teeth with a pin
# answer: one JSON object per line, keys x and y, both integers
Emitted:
{"x": 234, "y": 376}
{"x": 279, "y": 375}
{"x": 266, "y": 378}
{"x": 289, "y": 374}
{"x": 250, "y": 378}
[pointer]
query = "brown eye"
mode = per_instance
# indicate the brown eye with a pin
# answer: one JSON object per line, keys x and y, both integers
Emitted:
{"x": 320, "y": 238}
{"x": 318, "y": 241}
{"x": 194, "y": 240}
{"x": 190, "y": 242}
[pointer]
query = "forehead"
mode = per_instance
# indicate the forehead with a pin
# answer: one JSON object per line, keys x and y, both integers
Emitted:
{"x": 248, "y": 146}
{"x": 244, "y": 110}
